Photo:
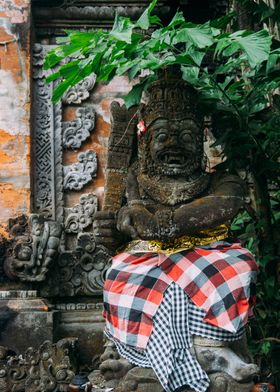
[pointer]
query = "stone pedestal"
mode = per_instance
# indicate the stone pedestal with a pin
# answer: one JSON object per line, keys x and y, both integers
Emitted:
{"x": 25, "y": 320}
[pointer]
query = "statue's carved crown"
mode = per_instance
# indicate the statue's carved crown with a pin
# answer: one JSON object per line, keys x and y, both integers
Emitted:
{"x": 170, "y": 96}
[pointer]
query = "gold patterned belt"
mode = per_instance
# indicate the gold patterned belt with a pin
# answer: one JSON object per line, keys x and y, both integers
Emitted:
{"x": 204, "y": 237}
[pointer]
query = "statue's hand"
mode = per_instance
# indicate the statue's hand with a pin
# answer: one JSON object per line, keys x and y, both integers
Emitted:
{"x": 137, "y": 222}
{"x": 105, "y": 230}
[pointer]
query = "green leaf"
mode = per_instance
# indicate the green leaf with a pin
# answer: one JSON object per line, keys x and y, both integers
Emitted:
{"x": 72, "y": 49}
{"x": 134, "y": 96}
{"x": 231, "y": 66}
{"x": 83, "y": 38}
{"x": 177, "y": 19}
{"x": 155, "y": 20}
{"x": 123, "y": 68}
{"x": 153, "y": 44}
{"x": 221, "y": 23}
{"x": 265, "y": 11}
{"x": 52, "y": 59}
{"x": 132, "y": 72}
{"x": 53, "y": 76}
{"x": 265, "y": 348}
{"x": 184, "y": 59}
{"x": 262, "y": 314}
{"x": 272, "y": 60}
{"x": 199, "y": 35}
{"x": 65, "y": 85}
{"x": 196, "y": 55}
{"x": 255, "y": 45}
{"x": 222, "y": 43}
{"x": 67, "y": 70}
{"x": 122, "y": 29}
{"x": 190, "y": 74}
{"x": 95, "y": 64}
{"x": 270, "y": 285}
{"x": 145, "y": 21}
{"x": 62, "y": 40}
{"x": 108, "y": 72}
{"x": 233, "y": 48}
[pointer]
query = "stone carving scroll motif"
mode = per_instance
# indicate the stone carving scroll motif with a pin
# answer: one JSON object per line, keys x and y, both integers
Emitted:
{"x": 80, "y": 216}
{"x": 75, "y": 132}
{"x": 76, "y": 176}
{"x": 51, "y": 367}
{"x": 32, "y": 249}
{"x": 94, "y": 262}
{"x": 81, "y": 271}
{"x": 80, "y": 92}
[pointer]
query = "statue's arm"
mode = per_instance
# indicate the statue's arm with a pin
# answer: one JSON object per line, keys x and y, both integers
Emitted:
{"x": 134, "y": 219}
{"x": 105, "y": 231}
{"x": 222, "y": 204}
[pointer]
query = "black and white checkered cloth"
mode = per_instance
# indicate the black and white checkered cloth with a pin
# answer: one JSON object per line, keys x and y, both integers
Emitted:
{"x": 167, "y": 352}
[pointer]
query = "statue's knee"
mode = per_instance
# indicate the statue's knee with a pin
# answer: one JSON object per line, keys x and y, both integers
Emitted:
{"x": 219, "y": 358}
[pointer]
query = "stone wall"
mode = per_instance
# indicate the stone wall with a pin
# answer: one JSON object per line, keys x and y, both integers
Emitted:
{"x": 14, "y": 108}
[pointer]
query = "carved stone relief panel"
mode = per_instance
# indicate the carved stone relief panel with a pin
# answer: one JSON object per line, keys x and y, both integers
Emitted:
{"x": 47, "y": 144}
{"x": 30, "y": 249}
{"x": 76, "y": 132}
{"x": 80, "y": 272}
{"x": 50, "y": 135}
{"x": 80, "y": 216}
{"x": 80, "y": 92}
{"x": 76, "y": 176}
{"x": 80, "y": 265}
{"x": 30, "y": 254}
{"x": 53, "y": 16}
{"x": 50, "y": 367}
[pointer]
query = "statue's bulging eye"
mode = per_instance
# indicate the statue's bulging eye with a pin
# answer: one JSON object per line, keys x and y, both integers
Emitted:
{"x": 161, "y": 137}
{"x": 186, "y": 137}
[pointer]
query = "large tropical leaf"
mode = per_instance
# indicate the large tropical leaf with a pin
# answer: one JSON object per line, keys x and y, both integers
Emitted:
{"x": 255, "y": 45}
{"x": 122, "y": 29}
{"x": 199, "y": 35}
{"x": 145, "y": 20}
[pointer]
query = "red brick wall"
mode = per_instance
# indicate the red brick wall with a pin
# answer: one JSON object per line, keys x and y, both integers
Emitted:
{"x": 14, "y": 108}
{"x": 100, "y": 98}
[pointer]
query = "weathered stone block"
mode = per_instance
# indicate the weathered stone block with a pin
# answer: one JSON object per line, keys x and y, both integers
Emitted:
{"x": 26, "y": 320}
{"x": 87, "y": 325}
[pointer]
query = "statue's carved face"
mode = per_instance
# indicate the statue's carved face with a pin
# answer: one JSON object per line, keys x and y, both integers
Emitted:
{"x": 175, "y": 146}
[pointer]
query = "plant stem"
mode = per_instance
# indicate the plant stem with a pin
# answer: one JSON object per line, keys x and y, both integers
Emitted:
{"x": 269, "y": 339}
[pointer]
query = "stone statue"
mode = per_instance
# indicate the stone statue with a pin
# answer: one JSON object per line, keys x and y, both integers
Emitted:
{"x": 177, "y": 297}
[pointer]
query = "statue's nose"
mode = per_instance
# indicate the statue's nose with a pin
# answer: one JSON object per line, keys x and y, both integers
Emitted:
{"x": 173, "y": 140}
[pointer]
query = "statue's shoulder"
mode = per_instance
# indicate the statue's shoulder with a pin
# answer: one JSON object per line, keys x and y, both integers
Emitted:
{"x": 222, "y": 178}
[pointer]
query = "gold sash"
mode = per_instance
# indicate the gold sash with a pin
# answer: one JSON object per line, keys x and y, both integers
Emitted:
{"x": 184, "y": 242}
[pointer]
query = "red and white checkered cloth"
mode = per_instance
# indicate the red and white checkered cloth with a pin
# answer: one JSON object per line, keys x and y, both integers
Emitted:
{"x": 218, "y": 278}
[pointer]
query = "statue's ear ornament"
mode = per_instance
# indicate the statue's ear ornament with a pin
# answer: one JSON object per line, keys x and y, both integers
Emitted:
{"x": 141, "y": 128}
